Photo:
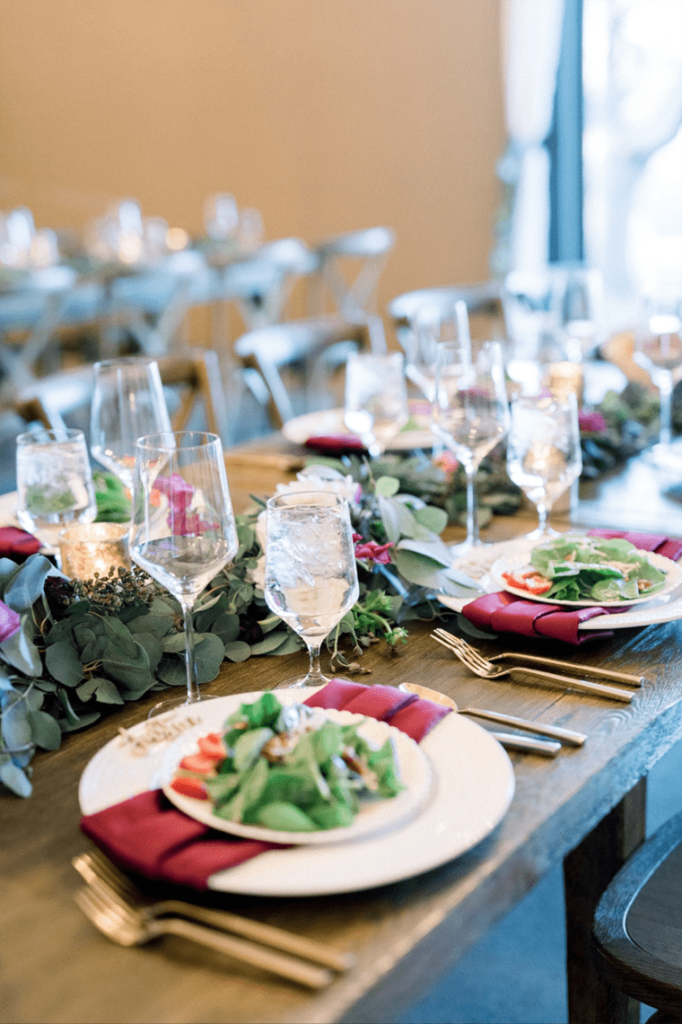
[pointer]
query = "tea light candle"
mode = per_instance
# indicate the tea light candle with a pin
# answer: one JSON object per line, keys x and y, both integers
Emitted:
{"x": 93, "y": 547}
{"x": 566, "y": 378}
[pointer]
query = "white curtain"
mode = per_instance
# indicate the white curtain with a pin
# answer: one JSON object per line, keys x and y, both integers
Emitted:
{"x": 531, "y": 43}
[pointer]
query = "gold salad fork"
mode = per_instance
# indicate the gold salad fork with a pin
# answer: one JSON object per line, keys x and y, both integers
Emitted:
{"x": 105, "y": 878}
{"x": 127, "y": 927}
{"x": 480, "y": 666}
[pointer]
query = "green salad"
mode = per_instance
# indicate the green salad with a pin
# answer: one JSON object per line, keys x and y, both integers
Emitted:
{"x": 592, "y": 568}
{"x": 291, "y": 770}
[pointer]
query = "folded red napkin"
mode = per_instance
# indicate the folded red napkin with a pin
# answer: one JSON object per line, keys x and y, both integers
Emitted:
{"x": 335, "y": 444}
{"x": 148, "y": 835}
{"x": 506, "y": 613}
{"x": 17, "y": 544}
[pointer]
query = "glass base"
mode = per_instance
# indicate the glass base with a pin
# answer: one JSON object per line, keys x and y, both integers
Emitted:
{"x": 301, "y": 683}
{"x": 666, "y": 456}
{"x": 172, "y": 703}
{"x": 539, "y": 536}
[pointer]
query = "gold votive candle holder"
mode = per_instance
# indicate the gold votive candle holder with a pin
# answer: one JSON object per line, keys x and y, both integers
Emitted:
{"x": 566, "y": 378}
{"x": 89, "y": 548}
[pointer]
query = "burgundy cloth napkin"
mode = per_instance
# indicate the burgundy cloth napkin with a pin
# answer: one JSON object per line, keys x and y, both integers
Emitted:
{"x": 16, "y": 543}
{"x": 335, "y": 444}
{"x": 148, "y": 835}
{"x": 506, "y": 613}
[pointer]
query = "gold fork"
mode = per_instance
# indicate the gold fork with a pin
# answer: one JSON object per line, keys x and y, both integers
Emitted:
{"x": 103, "y": 877}
{"x": 122, "y": 924}
{"x": 480, "y": 666}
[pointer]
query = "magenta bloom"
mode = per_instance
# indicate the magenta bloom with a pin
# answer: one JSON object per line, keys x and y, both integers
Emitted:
{"x": 592, "y": 422}
{"x": 370, "y": 551}
{"x": 177, "y": 490}
{"x": 10, "y": 622}
{"x": 181, "y": 522}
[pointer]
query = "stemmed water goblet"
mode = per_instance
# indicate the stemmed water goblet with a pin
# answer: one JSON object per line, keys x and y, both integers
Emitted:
{"x": 54, "y": 483}
{"x": 127, "y": 403}
{"x": 183, "y": 529}
{"x": 658, "y": 350}
{"x": 470, "y": 412}
{"x": 543, "y": 452}
{"x": 376, "y": 398}
{"x": 434, "y": 324}
{"x": 311, "y": 578}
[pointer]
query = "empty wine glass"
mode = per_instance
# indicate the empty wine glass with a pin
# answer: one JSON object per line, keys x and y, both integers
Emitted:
{"x": 470, "y": 413}
{"x": 580, "y": 303}
{"x": 658, "y": 350}
{"x": 433, "y": 324}
{"x": 183, "y": 530}
{"x": 127, "y": 403}
{"x": 543, "y": 452}
{"x": 54, "y": 483}
{"x": 311, "y": 578}
{"x": 376, "y": 398}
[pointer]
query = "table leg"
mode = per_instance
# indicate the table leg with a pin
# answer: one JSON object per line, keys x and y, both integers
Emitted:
{"x": 587, "y": 871}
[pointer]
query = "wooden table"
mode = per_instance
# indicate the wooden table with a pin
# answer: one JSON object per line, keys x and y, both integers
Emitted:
{"x": 585, "y": 808}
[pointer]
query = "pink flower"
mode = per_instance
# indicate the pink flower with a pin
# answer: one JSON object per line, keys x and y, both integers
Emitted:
{"x": 10, "y": 622}
{"x": 181, "y": 521}
{"x": 447, "y": 462}
{"x": 592, "y": 422}
{"x": 177, "y": 490}
{"x": 370, "y": 551}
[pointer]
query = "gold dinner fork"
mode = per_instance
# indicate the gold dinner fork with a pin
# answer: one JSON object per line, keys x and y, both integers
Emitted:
{"x": 480, "y": 666}
{"x": 103, "y": 877}
{"x": 123, "y": 925}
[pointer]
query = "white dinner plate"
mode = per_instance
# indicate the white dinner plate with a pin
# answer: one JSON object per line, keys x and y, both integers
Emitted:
{"x": 413, "y": 769}
{"x": 512, "y": 563}
{"x": 473, "y": 784}
{"x": 329, "y": 422}
{"x": 478, "y": 564}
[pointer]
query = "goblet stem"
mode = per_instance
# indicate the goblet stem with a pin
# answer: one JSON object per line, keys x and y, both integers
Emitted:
{"x": 542, "y": 519}
{"x": 472, "y": 506}
{"x": 665, "y": 387}
{"x": 193, "y": 694}
{"x": 314, "y": 676}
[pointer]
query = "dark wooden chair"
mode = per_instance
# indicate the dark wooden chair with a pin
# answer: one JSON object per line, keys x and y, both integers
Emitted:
{"x": 192, "y": 377}
{"x": 295, "y": 361}
{"x": 638, "y": 926}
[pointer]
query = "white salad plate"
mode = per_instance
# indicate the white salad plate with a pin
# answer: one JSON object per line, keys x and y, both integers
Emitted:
{"x": 329, "y": 422}
{"x": 512, "y": 564}
{"x": 477, "y": 564}
{"x": 413, "y": 769}
{"x": 472, "y": 787}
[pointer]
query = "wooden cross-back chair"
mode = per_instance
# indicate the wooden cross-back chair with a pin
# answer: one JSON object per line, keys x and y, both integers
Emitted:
{"x": 484, "y": 303}
{"x": 350, "y": 265}
{"x": 194, "y": 378}
{"x": 316, "y": 346}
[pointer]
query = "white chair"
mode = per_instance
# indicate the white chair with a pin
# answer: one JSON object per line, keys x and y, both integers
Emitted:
{"x": 350, "y": 266}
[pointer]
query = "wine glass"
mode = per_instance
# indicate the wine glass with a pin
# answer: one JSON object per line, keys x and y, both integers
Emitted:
{"x": 54, "y": 483}
{"x": 376, "y": 398}
{"x": 183, "y": 529}
{"x": 433, "y": 324}
{"x": 311, "y": 578}
{"x": 658, "y": 350}
{"x": 543, "y": 451}
{"x": 580, "y": 303}
{"x": 127, "y": 403}
{"x": 470, "y": 412}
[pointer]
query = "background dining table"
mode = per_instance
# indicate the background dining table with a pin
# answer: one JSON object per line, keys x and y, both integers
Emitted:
{"x": 584, "y": 808}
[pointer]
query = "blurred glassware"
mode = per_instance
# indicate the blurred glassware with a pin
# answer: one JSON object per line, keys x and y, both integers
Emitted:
{"x": 431, "y": 325}
{"x": 54, "y": 483}
{"x": 311, "y": 577}
{"x": 470, "y": 412}
{"x": 221, "y": 217}
{"x": 532, "y": 301}
{"x": 375, "y": 398}
{"x": 579, "y": 298}
{"x": 22, "y": 246}
{"x": 183, "y": 530}
{"x": 543, "y": 451}
{"x": 251, "y": 229}
{"x": 658, "y": 350}
{"x": 123, "y": 235}
{"x": 127, "y": 403}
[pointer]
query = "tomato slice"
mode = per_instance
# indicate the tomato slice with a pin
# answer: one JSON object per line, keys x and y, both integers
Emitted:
{"x": 533, "y": 582}
{"x": 189, "y": 785}
{"x": 200, "y": 763}
{"x": 212, "y": 746}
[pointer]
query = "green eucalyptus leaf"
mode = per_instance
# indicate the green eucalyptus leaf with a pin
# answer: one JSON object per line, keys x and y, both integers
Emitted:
{"x": 226, "y": 627}
{"x": 238, "y": 650}
{"x": 16, "y": 727}
{"x": 209, "y": 652}
{"x": 120, "y": 636}
{"x": 128, "y": 667}
{"x": 172, "y": 671}
{"x": 416, "y": 568}
{"x": 434, "y": 551}
{"x": 174, "y": 644}
{"x": 63, "y": 663}
{"x": 153, "y": 647}
{"x": 86, "y": 689}
{"x": 81, "y": 722}
{"x": 106, "y": 692}
{"x": 270, "y": 643}
{"x": 387, "y": 486}
{"x": 291, "y": 645}
{"x": 434, "y": 519}
{"x": 46, "y": 731}
{"x": 26, "y": 586}
{"x": 160, "y": 624}
{"x": 20, "y": 650}
{"x": 15, "y": 779}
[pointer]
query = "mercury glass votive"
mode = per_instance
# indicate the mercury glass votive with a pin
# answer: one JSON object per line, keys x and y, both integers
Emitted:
{"x": 92, "y": 548}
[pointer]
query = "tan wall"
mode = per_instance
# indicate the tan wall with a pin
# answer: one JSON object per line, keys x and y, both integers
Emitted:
{"x": 327, "y": 115}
